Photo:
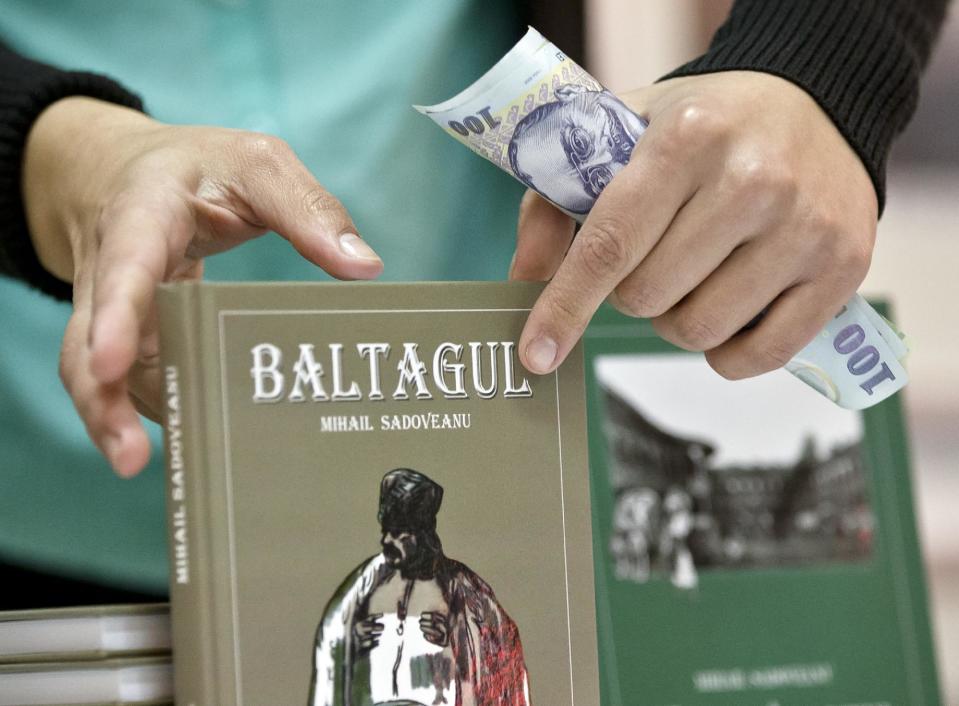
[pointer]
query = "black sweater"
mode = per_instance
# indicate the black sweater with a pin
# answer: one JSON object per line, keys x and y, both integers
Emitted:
{"x": 859, "y": 59}
{"x": 26, "y": 88}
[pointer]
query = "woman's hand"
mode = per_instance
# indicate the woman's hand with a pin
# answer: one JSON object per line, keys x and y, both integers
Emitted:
{"x": 117, "y": 203}
{"x": 741, "y": 196}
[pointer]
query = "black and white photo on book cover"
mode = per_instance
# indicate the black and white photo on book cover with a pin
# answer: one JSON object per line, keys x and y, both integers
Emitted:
{"x": 710, "y": 474}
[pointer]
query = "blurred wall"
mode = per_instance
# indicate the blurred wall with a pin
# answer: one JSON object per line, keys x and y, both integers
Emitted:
{"x": 631, "y": 44}
{"x": 931, "y": 138}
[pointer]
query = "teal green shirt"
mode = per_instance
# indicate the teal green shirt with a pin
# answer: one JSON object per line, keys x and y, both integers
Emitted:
{"x": 336, "y": 80}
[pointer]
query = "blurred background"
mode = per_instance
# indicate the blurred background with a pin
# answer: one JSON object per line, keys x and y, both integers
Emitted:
{"x": 915, "y": 265}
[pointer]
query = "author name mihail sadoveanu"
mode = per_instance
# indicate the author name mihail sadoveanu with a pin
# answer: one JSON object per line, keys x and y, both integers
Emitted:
{"x": 424, "y": 421}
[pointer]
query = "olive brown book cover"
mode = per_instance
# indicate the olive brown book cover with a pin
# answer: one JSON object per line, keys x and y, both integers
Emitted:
{"x": 371, "y": 501}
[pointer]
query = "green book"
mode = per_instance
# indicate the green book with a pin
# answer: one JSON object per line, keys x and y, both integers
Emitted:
{"x": 754, "y": 544}
{"x": 371, "y": 501}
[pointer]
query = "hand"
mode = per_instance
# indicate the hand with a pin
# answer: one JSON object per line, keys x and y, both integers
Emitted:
{"x": 435, "y": 628}
{"x": 137, "y": 203}
{"x": 741, "y": 197}
{"x": 367, "y": 632}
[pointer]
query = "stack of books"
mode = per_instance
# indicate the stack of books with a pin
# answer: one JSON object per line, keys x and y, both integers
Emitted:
{"x": 91, "y": 655}
{"x": 371, "y": 502}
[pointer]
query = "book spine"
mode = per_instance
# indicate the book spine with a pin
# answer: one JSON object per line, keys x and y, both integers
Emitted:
{"x": 184, "y": 425}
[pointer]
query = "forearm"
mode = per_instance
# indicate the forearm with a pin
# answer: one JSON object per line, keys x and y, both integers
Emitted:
{"x": 27, "y": 89}
{"x": 859, "y": 59}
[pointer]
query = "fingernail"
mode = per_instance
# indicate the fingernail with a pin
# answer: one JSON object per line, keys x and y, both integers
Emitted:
{"x": 541, "y": 353}
{"x": 512, "y": 264}
{"x": 353, "y": 246}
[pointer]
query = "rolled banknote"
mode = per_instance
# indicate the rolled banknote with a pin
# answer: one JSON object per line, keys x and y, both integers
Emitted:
{"x": 856, "y": 361}
{"x": 541, "y": 118}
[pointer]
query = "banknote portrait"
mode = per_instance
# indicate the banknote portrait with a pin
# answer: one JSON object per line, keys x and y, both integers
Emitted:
{"x": 568, "y": 150}
{"x": 413, "y": 627}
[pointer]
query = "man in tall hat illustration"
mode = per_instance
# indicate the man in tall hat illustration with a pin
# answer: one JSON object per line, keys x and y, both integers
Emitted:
{"x": 412, "y": 627}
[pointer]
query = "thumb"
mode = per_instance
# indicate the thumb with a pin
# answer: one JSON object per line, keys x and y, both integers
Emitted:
{"x": 286, "y": 198}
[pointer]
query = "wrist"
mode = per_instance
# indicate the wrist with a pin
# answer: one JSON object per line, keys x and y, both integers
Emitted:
{"x": 71, "y": 150}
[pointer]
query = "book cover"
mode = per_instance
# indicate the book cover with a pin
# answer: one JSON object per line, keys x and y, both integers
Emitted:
{"x": 755, "y": 544}
{"x": 84, "y": 632}
{"x": 371, "y": 501}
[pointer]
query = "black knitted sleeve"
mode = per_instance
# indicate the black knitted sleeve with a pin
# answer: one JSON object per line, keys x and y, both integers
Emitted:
{"x": 26, "y": 88}
{"x": 859, "y": 59}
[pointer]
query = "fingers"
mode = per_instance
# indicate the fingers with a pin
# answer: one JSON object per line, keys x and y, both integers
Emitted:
{"x": 372, "y": 625}
{"x": 796, "y": 283}
{"x": 369, "y": 641}
{"x": 695, "y": 244}
{"x": 432, "y": 617}
{"x": 369, "y": 630}
{"x": 728, "y": 299}
{"x": 106, "y": 410}
{"x": 720, "y": 316}
{"x": 542, "y": 238}
{"x": 285, "y": 197}
{"x": 434, "y": 627}
{"x": 791, "y": 322}
{"x": 113, "y": 312}
{"x": 628, "y": 219}
{"x": 132, "y": 261}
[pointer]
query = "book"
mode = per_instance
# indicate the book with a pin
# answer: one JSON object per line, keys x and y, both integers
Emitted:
{"x": 371, "y": 501}
{"x": 754, "y": 543}
{"x": 87, "y": 632}
{"x": 144, "y": 681}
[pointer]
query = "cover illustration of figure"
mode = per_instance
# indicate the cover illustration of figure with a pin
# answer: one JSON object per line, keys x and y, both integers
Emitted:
{"x": 412, "y": 627}
{"x": 568, "y": 150}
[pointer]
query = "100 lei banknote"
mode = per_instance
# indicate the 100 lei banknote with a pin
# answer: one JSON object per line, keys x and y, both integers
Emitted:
{"x": 543, "y": 119}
